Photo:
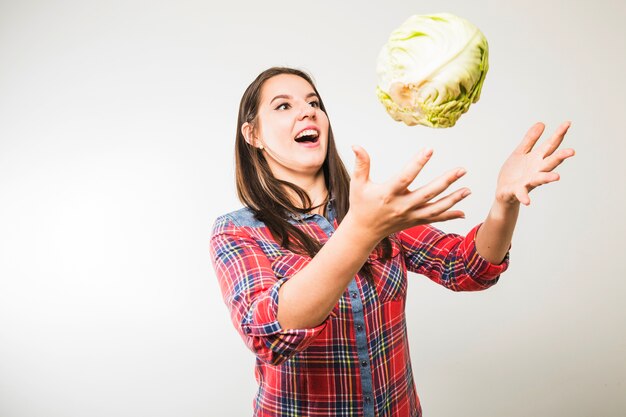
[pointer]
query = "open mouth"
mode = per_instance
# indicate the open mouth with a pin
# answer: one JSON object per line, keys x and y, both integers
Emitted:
{"x": 308, "y": 136}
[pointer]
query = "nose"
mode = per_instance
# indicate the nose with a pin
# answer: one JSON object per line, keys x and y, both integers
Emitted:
{"x": 307, "y": 111}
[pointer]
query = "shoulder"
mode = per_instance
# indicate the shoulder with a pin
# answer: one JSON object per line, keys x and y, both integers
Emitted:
{"x": 239, "y": 229}
{"x": 244, "y": 217}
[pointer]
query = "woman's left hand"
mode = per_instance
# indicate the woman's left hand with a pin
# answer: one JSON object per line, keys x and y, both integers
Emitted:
{"x": 528, "y": 168}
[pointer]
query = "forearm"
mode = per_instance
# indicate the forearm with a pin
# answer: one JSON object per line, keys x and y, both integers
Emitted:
{"x": 494, "y": 236}
{"x": 307, "y": 298}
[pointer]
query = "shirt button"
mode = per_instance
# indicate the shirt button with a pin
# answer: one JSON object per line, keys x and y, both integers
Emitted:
{"x": 363, "y": 363}
{"x": 353, "y": 294}
{"x": 367, "y": 399}
{"x": 359, "y": 327}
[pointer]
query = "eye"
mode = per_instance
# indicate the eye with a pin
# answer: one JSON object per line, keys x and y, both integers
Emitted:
{"x": 315, "y": 104}
{"x": 283, "y": 106}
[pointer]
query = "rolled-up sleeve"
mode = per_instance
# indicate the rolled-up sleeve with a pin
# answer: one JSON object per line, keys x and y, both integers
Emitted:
{"x": 450, "y": 260}
{"x": 250, "y": 290}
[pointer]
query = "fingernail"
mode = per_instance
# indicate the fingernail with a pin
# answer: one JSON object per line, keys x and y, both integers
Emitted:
{"x": 465, "y": 193}
{"x": 428, "y": 152}
{"x": 460, "y": 172}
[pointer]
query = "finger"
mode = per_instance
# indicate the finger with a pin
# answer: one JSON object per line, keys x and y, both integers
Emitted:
{"x": 554, "y": 142}
{"x": 436, "y": 208}
{"x": 556, "y": 159}
{"x": 531, "y": 137}
{"x": 404, "y": 179}
{"x": 448, "y": 215}
{"x": 361, "y": 164}
{"x": 437, "y": 186}
{"x": 541, "y": 178}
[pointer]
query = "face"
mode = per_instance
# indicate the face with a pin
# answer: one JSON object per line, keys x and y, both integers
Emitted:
{"x": 291, "y": 127}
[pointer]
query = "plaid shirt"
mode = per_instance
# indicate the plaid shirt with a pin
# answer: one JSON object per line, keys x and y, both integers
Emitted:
{"x": 356, "y": 363}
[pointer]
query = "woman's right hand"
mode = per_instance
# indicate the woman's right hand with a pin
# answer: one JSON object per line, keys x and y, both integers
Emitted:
{"x": 376, "y": 210}
{"x": 383, "y": 209}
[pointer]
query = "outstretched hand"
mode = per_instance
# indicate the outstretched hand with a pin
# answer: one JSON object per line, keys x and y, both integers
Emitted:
{"x": 528, "y": 168}
{"x": 390, "y": 206}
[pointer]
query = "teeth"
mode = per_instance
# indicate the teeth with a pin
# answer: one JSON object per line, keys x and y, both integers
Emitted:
{"x": 308, "y": 132}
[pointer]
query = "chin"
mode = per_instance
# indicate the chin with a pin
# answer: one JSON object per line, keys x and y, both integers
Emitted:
{"x": 311, "y": 169}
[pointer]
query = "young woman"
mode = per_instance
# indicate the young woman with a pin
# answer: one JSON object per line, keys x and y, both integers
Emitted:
{"x": 313, "y": 269}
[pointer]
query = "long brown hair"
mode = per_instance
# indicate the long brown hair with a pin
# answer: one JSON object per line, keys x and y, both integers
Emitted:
{"x": 267, "y": 196}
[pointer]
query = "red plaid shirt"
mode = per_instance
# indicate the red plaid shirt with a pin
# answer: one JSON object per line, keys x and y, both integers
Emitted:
{"x": 356, "y": 363}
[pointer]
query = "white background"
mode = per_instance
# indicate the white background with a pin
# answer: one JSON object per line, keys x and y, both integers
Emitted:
{"x": 117, "y": 124}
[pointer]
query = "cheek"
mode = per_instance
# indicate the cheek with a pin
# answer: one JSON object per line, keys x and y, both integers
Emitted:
{"x": 279, "y": 132}
{"x": 324, "y": 124}
{"x": 273, "y": 136}
{"x": 273, "y": 127}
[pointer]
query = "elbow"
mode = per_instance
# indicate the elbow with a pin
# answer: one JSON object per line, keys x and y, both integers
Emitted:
{"x": 267, "y": 352}
{"x": 469, "y": 283}
{"x": 479, "y": 284}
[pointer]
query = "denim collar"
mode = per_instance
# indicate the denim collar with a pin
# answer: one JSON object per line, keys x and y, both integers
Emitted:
{"x": 330, "y": 212}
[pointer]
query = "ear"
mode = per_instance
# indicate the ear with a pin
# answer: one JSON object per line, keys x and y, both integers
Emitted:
{"x": 247, "y": 130}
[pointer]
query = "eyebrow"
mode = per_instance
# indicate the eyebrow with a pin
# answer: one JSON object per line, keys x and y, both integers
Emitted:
{"x": 285, "y": 96}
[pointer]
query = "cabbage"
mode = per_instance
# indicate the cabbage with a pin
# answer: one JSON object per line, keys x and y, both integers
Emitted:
{"x": 432, "y": 69}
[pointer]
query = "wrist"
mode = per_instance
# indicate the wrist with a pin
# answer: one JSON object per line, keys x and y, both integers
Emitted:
{"x": 359, "y": 232}
{"x": 506, "y": 201}
{"x": 504, "y": 209}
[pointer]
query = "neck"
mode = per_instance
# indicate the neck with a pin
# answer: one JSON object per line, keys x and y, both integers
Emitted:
{"x": 316, "y": 189}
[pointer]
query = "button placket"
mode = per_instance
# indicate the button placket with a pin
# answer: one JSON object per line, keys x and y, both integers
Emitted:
{"x": 362, "y": 346}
